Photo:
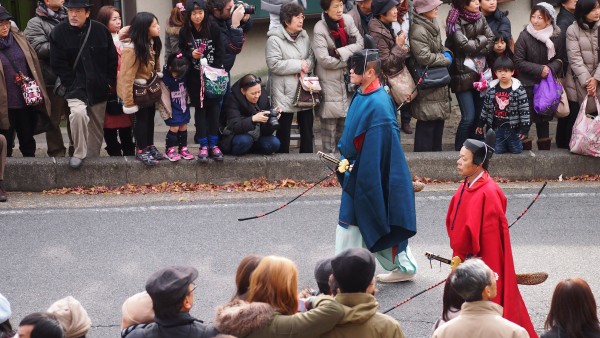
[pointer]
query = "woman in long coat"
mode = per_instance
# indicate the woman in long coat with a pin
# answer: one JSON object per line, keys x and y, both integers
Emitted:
{"x": 335, "y": 39}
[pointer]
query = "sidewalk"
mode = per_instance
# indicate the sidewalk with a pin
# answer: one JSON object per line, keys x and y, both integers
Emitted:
{"x": 43, "y": 173}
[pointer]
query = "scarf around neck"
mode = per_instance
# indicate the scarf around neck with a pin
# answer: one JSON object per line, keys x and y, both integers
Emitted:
{"x": 402, "y": 10}
{"x": 337, "y": 30}
{"x": 43, "y": 11}
{"x": 455, "y": 14}
{"x": 7, "y": 41}
{"x": 544, "y": 37}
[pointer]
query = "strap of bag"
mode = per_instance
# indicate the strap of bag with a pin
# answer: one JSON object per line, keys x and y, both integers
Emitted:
{"x": 12, "y": 63}
{"x": 82, "y": 45}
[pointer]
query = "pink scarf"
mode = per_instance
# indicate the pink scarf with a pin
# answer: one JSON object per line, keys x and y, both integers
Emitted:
{"x": 544, "y": 37}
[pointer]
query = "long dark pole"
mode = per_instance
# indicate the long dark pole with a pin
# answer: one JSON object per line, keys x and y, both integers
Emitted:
{"x": 415, "y": 295}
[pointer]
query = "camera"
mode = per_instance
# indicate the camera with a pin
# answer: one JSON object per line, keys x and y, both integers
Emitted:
{"x": 248, "y": 9}
{"x": 273, "y": 118}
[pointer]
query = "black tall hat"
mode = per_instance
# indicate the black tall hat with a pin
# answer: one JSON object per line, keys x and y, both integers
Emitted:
{"x": 358, "y": 61}
{"x": 482, "y": 151}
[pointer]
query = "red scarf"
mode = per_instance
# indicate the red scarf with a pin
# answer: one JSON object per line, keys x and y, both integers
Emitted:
{"x": 402, "y": 10}
{"x": 340, "y": 34}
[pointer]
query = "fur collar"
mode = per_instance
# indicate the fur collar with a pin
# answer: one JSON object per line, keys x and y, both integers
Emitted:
{"x": 240, "y": 318}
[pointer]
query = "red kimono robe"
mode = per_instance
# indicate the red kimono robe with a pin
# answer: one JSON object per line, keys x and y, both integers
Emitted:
{"x": 480, "y": 229}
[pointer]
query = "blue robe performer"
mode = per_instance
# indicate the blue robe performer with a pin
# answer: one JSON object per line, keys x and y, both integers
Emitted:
{"x": 378, "y": 203}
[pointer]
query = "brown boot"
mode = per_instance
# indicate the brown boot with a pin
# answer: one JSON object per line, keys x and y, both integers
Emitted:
{"x": 527, "y": 144}
{"x": 544, "y": 143}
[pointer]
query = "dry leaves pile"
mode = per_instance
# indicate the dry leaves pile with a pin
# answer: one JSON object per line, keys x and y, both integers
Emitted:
{"x": 254, "y": 185}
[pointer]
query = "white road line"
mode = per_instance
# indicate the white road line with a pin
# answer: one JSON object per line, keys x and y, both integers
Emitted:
{"x": 259, "y": 206}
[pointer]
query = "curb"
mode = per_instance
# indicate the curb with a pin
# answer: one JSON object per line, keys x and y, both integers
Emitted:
{"x": 44, "y": 173}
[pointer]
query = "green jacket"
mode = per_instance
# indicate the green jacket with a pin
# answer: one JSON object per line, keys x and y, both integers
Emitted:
{"x": 260, "y": 320}
{"x": 361, "y": 319}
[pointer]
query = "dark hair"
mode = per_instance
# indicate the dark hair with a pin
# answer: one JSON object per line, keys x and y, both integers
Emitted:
{"x": 176, "y": 19}
{"x": 171, "y": 308}
{"x": 138, "y": 33}
{"x": 216, "y": 4}
{"x": 188, "y": 26}
{"x": 450, "y": 299}
{"x": 573, "y": 309}
{"x": 503, "y": 63}
{"x": 460, "y": 4}
{"x": 325, "y": 4}
{"x": 44, "y": 325}
{"x": 543, "y": 11}
{"x": 178, "y": 64}
{"x": 582, "y": 9}
{"x": 105, "y": 13}
{"x": 288, "y": 11}
{"x": 6, "y": 330}
{"x": 333, "y": 285}
{"x": 247, "y": 81}
{"x": 242, "y": 276}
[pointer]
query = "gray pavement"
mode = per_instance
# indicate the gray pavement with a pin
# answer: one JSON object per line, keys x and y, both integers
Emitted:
{"x": 100, "y": 249}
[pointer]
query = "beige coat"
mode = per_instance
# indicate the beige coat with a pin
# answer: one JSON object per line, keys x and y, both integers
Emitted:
{"x": 133, "y": 70}
{"x": 284, "y": 57}
{"x": 34, "y": 66}
{"x": 330, "y": 70}
{"x": 582, "y": 50}
{"x": 482, "y": 319}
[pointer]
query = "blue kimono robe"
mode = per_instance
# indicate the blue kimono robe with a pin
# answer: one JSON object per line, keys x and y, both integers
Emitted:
{"x": 377, "y": 194}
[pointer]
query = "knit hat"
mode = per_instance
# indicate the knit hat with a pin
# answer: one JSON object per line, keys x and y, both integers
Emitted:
{"x": 550, "y": 10}
{"x": 424, "y": 6}
{"x": 137, "y": 309}
{"x": 482, "y": 151}
{"x": 379, "y": 7}
{"x": 5, "y": 312}
{"x": 322, "y": 273}
{"x": 72, "y": 317}
{"x": 353, "y": 269}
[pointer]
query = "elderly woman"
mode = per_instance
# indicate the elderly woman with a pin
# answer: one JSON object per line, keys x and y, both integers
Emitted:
{"x": 469, "y": 37}
{"x": 18, "y": 56}
{"x": 538, "y": 52}
{"x": 289, "y": 56}
{"x": 335, "y": 39}
{"x": 432, "y": 106}
{"x": 250, "y": 126}
{"x": 583, "y": 73}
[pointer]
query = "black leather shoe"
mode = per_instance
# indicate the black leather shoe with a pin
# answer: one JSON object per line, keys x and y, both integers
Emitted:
{"x": 406, "y": 128}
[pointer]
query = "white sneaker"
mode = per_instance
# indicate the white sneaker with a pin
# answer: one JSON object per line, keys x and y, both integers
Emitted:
{"x": 395, "y": 276}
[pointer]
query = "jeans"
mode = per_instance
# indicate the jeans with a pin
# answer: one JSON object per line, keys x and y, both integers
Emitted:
{"x": 470, "y": 103}
{"x": 507, "y": 140}
{"x": 244, "y": 143}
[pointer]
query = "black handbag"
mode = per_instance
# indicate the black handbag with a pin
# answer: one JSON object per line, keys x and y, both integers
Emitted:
{"x": 433, "y": 77}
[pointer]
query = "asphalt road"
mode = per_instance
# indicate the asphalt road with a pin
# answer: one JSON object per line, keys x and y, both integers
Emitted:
{"x": 101, "y": 249}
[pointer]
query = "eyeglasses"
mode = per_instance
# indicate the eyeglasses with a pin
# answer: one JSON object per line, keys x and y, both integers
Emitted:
{"x": 194, "y": 286}
{"x": 4, "y": 23}
{"x": 251, "y": 83}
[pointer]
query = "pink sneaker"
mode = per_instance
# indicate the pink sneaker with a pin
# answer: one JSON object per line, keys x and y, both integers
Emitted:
{"x": 185, "y": 153}
{"x": 203, "y": 154}
{"x": 173, "y": 155}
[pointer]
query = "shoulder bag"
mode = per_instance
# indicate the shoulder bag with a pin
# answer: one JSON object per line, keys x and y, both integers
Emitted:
{"x": 146, "y": 95}
{"x": 32, "y": 93}
{"x": 215, "y": 82}
{"x": 546, "y": 96}
{"x": 59, "y": 88}
{"x": 402, "y": 86}
{"x": 585, "y": 139}
{"x": 430, "y": 77}
{"x": 308, "y": 93}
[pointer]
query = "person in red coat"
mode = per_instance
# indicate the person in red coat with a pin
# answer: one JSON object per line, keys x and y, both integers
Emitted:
{"x": 477, "y": 226}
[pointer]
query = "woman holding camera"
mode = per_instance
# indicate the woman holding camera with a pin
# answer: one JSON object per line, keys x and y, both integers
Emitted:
{"x": 250, "y": 121}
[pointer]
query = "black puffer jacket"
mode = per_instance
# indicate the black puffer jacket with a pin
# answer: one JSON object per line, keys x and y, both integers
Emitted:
{"x": 564, "y": 19}
{"x": 238, "y": 112}
{"x": 469, "y": 40}
{"x": 97, "y": 67}
{"x": 182, "y": 326}
{"x": 499, "y": 23}
{"x": 531, "y": 55}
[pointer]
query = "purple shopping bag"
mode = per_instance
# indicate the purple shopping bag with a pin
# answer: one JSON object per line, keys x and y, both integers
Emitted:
{"x": 546, "y": 96}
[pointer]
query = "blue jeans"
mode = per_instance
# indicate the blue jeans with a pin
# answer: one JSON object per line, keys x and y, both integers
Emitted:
{"x": 507, "y": 140}
{"x": 244, "y": 143}
{"x": 470, "y": 103}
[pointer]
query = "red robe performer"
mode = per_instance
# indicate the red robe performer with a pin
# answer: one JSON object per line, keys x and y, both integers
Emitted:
{"x": 477, "y": 226}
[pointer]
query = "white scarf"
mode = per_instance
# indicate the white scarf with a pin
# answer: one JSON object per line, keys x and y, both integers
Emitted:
{"x": 544, "y": 36}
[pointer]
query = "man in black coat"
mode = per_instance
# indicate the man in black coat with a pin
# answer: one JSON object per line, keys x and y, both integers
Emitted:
{"x": 87, "y": 80}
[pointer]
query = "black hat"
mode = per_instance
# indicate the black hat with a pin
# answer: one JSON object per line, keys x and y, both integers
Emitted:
{"x": 482, "y": 151}
{"x": 190, "y": 4}
{"x": 354, "y": 269}
{"x": 78, "y": 4}
{"x": 322, "y": 272}
{"x": 379, "y": 7}
{"x": 171, "y": 284}
{"x": 358, "y": 61}
{"x": 5, "y": 15}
